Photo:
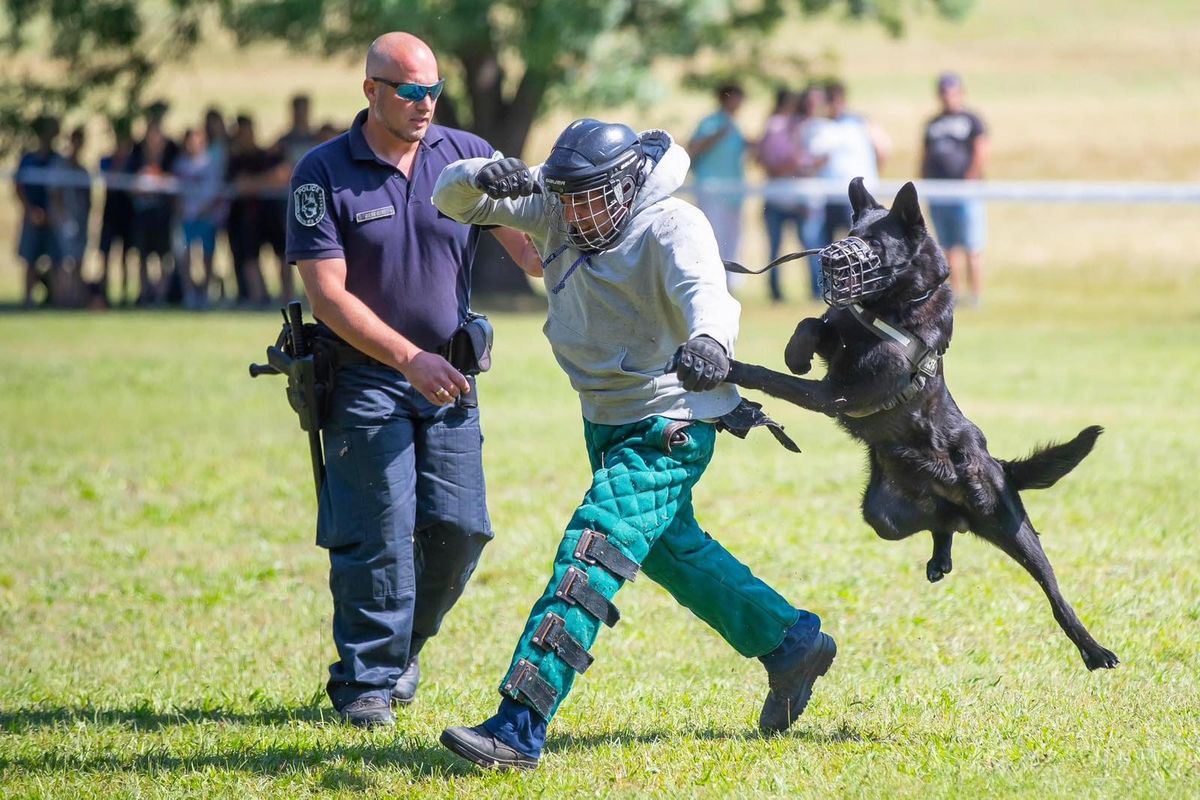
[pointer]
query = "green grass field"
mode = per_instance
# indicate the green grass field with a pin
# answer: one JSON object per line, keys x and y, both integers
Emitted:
{"x": 165, "y": 615}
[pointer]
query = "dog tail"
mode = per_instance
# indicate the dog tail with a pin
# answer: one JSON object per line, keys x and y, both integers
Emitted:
{"x": 1045, "y": 466}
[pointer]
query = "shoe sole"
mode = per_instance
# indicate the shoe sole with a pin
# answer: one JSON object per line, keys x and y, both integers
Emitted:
{"x": 403, "y": 701}
{"x": 479, "y": 758}
{"x": 828, "y": 651}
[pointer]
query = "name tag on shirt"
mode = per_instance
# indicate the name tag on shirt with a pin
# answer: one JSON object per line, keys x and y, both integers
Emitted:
{"x": 375, "y": 213}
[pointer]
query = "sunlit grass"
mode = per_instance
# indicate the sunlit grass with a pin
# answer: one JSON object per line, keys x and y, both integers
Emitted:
{"x": 165, "y": 613}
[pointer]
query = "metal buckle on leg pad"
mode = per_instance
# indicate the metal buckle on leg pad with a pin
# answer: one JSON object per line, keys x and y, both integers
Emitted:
{"x": 526, "y": 685}
{"x": 593, "y": 548}
{"x": 575, "y": 590}
{"x": 552, "y": 635}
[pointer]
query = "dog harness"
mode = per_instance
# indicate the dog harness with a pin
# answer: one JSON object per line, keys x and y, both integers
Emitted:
{"x": 925, "y": 361}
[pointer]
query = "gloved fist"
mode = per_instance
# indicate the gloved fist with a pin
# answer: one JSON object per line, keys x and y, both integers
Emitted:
{"x": 700, "y": 364}
{"x": 507, "y": 178}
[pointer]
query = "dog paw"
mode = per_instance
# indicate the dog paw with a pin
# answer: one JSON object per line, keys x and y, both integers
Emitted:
{"x": 1099, "y": 658}
{"x": 799, "y": 367}
{"x": 936, "y": 569}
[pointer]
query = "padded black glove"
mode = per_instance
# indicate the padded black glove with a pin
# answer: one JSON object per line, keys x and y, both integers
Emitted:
{"x": 700, "y": 364}
{"x": 507, "y": 178}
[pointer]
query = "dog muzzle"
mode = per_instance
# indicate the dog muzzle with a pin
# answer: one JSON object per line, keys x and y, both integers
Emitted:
{"x": 850, "y": 272}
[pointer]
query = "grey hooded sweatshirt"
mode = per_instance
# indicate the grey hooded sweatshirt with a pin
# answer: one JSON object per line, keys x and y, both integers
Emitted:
{"x": 617, "y": 317}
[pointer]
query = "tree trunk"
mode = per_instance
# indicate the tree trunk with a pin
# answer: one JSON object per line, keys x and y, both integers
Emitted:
{"x": 505, "y": 125}
{"x": 496, "y": 280}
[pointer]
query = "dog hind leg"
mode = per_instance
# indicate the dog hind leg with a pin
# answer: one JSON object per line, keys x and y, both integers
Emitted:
{"x": 1025, "y": 548}
{"x": 940, "y": 564}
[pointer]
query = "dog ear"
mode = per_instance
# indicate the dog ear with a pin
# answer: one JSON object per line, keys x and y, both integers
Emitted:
{"x": 860, "y": 199}
{"x": 907, "y": 208}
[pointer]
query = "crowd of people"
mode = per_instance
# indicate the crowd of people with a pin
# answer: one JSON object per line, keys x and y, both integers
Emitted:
{"x": 813, "y": 134}
{"x": 165, "y": 202}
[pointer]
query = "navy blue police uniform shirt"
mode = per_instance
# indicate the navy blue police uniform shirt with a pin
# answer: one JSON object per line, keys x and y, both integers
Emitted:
{"x": 407, "y": 261}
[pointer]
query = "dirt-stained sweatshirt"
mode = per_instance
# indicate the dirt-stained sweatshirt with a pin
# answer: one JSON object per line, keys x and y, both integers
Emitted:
{"x": 616, "y": 317}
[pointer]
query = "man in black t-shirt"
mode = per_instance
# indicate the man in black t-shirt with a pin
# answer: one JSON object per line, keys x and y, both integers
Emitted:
{"x": 956, "y": 148}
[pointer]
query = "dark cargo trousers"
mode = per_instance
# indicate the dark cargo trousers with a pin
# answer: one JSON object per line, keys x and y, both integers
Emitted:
{"x": 403, "y": 514}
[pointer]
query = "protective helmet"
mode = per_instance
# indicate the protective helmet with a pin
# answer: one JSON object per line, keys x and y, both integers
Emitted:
{"x": 592, "y": 175}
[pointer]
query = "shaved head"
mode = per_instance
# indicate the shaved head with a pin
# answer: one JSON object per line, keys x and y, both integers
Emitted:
{"x": 401, "y": 56}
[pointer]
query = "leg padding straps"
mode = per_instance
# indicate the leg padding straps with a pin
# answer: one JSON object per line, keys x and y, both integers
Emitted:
{"x": 525, "y": 685}
{"x": 575, "y": 590}
{"x": 593, "y": 548}
{"x": 552, "y": 635}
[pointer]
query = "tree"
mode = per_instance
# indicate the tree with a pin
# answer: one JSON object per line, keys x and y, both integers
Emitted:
{"x": 94, "y": 55}
{"x": 513, "y": 59}
{"x": 508, "y": 60}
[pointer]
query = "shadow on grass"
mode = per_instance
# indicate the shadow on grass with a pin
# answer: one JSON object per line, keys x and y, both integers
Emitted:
{"x": 146, "y": 718}
{"x": 842, "y": 735}
{"x": 338, "y": 766}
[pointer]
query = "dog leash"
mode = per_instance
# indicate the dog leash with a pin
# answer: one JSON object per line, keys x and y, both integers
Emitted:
{"x": 733, "y": 266}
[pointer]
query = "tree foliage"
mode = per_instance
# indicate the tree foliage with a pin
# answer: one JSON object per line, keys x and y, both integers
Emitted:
{"x": 95, "y": 56}
{"x": 508, "y": 60}
{"x": 513, "y": 59}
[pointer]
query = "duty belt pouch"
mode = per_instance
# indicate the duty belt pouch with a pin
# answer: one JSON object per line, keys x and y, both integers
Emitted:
{"x": 470, "y": 347}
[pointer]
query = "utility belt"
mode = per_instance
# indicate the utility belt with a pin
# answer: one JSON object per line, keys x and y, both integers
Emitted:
{"x": 468, "y": 350}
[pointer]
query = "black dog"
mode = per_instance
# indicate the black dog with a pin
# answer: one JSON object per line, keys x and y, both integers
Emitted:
{"x": 929, "y": 465}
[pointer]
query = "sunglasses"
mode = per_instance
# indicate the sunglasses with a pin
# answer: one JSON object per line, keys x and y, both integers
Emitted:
{"x": 414, "y": 92}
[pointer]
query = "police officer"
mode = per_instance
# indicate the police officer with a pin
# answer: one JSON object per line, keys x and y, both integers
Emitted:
{"x": 402, "y": 511}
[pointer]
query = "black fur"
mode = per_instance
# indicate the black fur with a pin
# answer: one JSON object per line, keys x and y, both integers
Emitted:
{"x": 930, "y": 469}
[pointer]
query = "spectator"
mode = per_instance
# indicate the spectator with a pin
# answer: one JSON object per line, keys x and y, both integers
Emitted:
{"x": 780, "y": 153}
{"x": 153, "y": 159}
{"x": 201, "y": 180}
{"x": 217, "y": 135}
{"x": 291, "y": 147}
{"x": 300, "y": 137}
{"x": 814, "y": 129}
{"x": 39, "y": 210}
{"x": 327, "y": 131}
{"x": 73, "y": 223}
{"x": 849, "y": 147}
{"x": 718, "y": 150}
{"x": 248, "y": 174}
{"x": 956, "y": 148}
{"x": 117, "y": 218}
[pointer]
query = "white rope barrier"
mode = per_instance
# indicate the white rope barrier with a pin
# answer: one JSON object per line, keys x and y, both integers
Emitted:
{"x": 808, "y": 190}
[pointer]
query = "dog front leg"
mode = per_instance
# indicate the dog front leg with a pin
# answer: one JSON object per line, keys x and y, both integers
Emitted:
{"x": 940, "y": 564}
{"x": 804, "y": 343}
{"x": 808, "y": 394}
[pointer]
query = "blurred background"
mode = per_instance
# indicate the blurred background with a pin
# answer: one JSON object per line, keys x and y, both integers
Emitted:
{"x": 164, "y": 614}
{"x": 1080, "y": 91}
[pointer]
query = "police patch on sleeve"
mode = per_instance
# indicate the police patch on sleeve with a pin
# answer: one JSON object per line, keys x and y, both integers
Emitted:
{"x": 310, "y": 204}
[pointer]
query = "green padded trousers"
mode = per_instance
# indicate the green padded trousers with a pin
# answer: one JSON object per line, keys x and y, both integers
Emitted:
{"x": 638, "y": 514}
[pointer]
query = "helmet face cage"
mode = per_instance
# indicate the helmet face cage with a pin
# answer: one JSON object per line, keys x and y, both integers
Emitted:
{"x": 593, "y": 212}
{"x": 851, "y": 271}
{"x": 592, "y": 219}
